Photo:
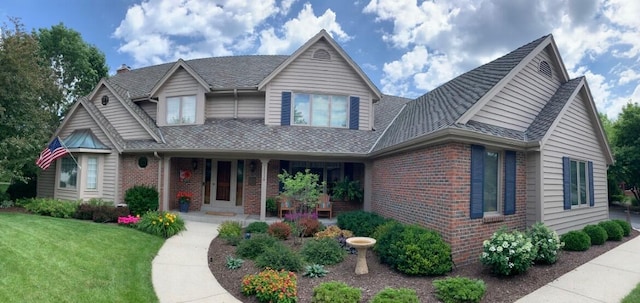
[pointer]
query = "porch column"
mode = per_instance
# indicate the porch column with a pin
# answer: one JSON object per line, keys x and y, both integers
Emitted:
{"x": 166, "y": 165}
{"x": 368, "y": 185}
{"x": 263, "y": 189}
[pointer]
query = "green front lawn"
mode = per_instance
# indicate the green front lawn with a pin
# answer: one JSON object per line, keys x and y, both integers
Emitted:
{"x": 633, "y": 296}
{"x": 44, "y": 259}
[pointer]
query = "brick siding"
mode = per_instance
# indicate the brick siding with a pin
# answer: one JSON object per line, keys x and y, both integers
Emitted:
{"x": 131, "y": 174}
{"x": 431, "y": 187}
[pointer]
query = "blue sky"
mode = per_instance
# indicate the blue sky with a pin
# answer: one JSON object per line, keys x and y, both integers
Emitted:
{"x": 406, "y": 47}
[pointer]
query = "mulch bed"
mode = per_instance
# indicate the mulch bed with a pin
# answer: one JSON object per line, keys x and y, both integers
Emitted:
{"x": 499, "y": 289}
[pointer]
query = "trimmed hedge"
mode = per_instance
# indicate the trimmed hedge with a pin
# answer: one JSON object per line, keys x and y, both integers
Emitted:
{"x": 141, "y": 199}
{"x": 361, "y": 223}
{"x": 614, "y": 231}
{"x": 597, "y": 234}
{"x": 576, "y": 240}
{"x": 626, "y": 227}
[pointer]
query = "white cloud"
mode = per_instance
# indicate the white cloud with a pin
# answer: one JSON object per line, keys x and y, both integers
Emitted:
{"x": 627, "y": 76}
{"x": 297, "y": 31}
{"x": 157, "y": 31}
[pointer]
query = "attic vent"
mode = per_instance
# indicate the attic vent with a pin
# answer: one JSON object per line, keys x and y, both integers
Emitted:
{"x": 545, "y": 68}
{"x": 321, "y": 54}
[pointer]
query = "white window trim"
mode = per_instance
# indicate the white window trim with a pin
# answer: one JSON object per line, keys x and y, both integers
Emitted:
{"x": 180, "y": 98}
{"x": 309, "y": 124}
{"x": 86, "y": 175}
{"x": 586, "y": 180}
{"x": 500, "y": 190}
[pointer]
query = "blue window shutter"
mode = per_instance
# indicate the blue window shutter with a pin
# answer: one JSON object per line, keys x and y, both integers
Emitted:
{"x": 477, "y": 181}
{"x": 566, "y": 181}
{"x": 354, "y": 112}
{"x": 509, "y": 182}
{"x": 592, "y": 198}
{"x": 285, "y": 112}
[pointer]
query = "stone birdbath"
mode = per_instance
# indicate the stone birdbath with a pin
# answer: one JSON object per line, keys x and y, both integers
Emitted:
{"x": 361, "y": 244}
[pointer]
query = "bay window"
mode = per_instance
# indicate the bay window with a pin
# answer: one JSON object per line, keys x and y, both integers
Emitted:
{"x": 68, "y": 173}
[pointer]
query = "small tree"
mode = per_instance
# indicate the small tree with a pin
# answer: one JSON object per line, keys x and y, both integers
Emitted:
{"x": 302, "y": 187}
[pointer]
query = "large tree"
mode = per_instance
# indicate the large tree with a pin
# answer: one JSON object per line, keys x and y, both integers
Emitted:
{"x": 626, "y": 147}
{"x": 78, "y": 66}
{"x": 28, "y": 101}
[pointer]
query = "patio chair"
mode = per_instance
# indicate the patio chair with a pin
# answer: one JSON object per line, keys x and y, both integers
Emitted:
{"x": 285, "y": 204}
{"x": 324, "y": 205}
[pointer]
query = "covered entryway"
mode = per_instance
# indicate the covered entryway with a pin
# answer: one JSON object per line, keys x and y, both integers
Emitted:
{"x": 223, "y": 185}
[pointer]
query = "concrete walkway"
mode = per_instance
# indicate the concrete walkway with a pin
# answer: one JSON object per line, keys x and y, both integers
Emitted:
{"x": 180, "y": 272}
{"x": 607, "y": 278}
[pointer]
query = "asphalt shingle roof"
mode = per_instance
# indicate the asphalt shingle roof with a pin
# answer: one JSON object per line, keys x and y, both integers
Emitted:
{"x": 551, "y": 110}
{"x": 442, "y": 106}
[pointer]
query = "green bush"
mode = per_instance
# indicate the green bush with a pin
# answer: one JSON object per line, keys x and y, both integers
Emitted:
{"x": 396, "y": 295}
{"x": 272, "y": 205}
{"x": 141, "y": 198}
{"x": 230, "y": 232}
{"x": 233, "y": 263}
{"x": 361, "y": 223}
{"x": 256, "y": 245}
{"x": 414, "y": 250}
{"x": 596, "y": 233}
{"x": 160, "y": 223}
{"x": 459, "y": 290}
{"x": 257, "y": 227}
{"x": 325, "y": 251}
{"x": 614, "y": 231}
{"x": 546, "y": 242}
{"x": 315, "y": 271}
{"x": 51, "y": 207}
{"x": 626, "y": 227}
{"x": 280, "y": 230}
{"x": 576, "y": 240}
{"x": 20, "y": 190}
{"x": 335, "y": 292}
{"x": 508, "y": 253}
{"x": 280, "y": 257}
{"x": 383, "y": 229}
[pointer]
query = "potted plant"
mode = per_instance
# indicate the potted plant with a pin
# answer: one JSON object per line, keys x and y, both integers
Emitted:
{"x": 272, "y": 206}
{"x": 184, "y": 199}
{"x": 347, "y": 190}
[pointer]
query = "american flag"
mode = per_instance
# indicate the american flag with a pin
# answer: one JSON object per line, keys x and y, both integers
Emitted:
{"x": 54, "y": 151}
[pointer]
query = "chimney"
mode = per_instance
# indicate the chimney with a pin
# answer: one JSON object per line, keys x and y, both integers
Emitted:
{"x": 123, "y": 69}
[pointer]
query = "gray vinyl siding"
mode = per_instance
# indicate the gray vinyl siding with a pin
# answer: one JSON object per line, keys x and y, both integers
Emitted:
{"x": 575, "y": 137}
{"x": 181, "y": 83}
{"x": 150, "y": 108}
{"x": 533, "y": 185}
{"x": 46, "y": 182}
{"x": 249, "y": 105}
{"x": 126, "y": 125}
{"x": 520, "y": 101}
{"x": 107, "y": 169}
{"x": 308, "y": 75}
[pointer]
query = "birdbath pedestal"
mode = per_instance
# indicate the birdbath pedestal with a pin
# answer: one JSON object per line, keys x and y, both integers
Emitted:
{"x": 361, "y": 244}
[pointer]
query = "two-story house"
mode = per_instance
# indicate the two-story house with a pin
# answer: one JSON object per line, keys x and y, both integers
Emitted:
{"x": 512, "y": 142}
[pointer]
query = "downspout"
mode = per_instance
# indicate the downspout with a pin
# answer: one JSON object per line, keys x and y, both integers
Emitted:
{"x": 235, "y": 103}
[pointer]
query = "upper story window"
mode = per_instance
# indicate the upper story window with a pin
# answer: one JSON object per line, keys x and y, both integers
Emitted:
{"x": 320, "y": 110}
{"x": 181, "y": 110}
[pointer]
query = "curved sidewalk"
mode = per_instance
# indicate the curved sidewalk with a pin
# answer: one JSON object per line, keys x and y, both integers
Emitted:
{"x": 180, "y": 272}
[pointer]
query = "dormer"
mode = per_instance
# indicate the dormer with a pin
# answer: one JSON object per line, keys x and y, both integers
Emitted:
{"x": 181, "y": 96}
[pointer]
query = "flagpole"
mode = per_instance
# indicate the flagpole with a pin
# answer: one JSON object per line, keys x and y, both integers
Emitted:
{"x": 70, "y": 154}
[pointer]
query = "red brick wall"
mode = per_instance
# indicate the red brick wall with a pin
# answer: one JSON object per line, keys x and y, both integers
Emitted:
{"x": 131, "y": 174}
{"x": 431, "y": 187}
{"x": 252, "y": 192}
{"x": 192, "y": 185}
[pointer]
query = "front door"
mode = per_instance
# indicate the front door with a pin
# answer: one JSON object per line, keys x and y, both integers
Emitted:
{"x": 223, "y": 190}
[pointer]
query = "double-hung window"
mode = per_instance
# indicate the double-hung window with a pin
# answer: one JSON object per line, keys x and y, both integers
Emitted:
{"x": 491, "y": 187}
{"x": 92, "y": 173}
{"x": 181, "y": 110}
{"x": 493, "y": 182}
{"x": 320, "y": 110}
{"x": 577, "y": 183}
{"x": 68, "y": 173}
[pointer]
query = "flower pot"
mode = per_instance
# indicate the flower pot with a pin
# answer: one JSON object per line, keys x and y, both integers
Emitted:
{"x": 184, "y": 207}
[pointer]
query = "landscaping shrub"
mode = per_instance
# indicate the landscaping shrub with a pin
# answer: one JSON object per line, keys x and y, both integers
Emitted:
{"x": 257, "y": 227}
{"x": 280, "y": 257}
{"x": 596, "y": 233}
{"x": 315, "y": 271}
{"x": 546, "y": 243}
{"x": 233, "y": 263}
{"x": 20, "y": 190}
{"x": 361, "y": 223}
{"x": 280, "y": 230}
{"x": 414, "y": 250}
{"x": 230, "y": 232}
{"x": 160, "y": 223}
{"x": 395, "y": 295}
{"x": 51, "y": 207}
{"x": 626, "y": 227}
{"x": 508, "y": 253}
{"x": 271, "y": 286}
{"x": 576, "y": 240}
{"x": 141, "y": 198}
{"x": 324, "y": 251}
{"x": 335, "y": 292}
{"x": 84, "y": 212}
{"x": 459, "y": 290}
{"x": 333, "y": 231}
{"x": 108, "y": 213}
{"x": 309, "y": 226}
{"x": 614, "y": 231}
{"x": 256, "y": 245}
{"x": 382, "y": 229}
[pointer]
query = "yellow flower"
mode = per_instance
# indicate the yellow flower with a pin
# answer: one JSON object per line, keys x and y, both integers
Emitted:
{"x": 153, "y": 222}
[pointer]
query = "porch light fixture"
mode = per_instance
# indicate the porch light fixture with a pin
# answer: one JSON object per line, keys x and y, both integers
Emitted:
{"x": 194, "y": 164}
{"x": 252, "y": 166}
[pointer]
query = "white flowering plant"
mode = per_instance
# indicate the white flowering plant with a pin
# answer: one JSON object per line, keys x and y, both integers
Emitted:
{"x": 508, "y": 253}
{"x": 547, "y": 243}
